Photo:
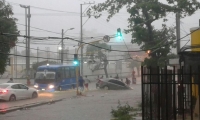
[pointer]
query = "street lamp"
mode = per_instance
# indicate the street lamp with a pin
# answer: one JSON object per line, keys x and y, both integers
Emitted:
{"x": 59, "y": 48}
{"x": 68, "y": 30}
{"x": 105, "y": 39}
{"x": 63, "y": 33}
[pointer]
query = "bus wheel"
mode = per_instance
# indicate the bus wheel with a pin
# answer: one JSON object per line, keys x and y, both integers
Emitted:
{"x": 59, "y": 88}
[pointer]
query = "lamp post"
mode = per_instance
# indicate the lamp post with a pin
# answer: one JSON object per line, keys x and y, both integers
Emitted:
{"x": 62, "y": 41}
{"x": 105, "y": 39}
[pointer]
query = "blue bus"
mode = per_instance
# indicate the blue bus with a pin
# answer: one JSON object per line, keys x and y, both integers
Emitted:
{"x": 55, "y": 77}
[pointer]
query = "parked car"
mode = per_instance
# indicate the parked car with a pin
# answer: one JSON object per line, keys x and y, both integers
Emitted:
{"x": 16, "y": 91}
{"x": 111, "y": 84}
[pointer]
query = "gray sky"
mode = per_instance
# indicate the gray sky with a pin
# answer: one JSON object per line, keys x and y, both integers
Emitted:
{"x": 55, "y": 21}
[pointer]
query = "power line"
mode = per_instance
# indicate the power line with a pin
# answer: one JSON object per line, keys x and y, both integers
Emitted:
{"x": 8, "y": 34}
{"x": 40, "y": 29}
{"x": 35, "y": 48}
{"x": 44, "y": 8}
{"x": 31, "y": 56}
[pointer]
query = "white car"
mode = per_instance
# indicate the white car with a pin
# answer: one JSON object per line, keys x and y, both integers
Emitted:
{"x": 16, "y": 91}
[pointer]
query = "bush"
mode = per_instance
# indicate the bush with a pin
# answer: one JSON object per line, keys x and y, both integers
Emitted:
{"x": 122, "y": 112}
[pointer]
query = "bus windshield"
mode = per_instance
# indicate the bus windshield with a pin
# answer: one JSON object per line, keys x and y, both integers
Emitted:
{"x": 45, "y": 77}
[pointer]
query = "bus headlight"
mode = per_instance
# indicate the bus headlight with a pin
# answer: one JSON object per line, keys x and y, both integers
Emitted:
{"x": 51, "y": 86}
{"x": 35, "y": 86}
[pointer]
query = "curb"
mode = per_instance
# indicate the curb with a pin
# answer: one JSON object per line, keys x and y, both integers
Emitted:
{"x": 24, "y": 107}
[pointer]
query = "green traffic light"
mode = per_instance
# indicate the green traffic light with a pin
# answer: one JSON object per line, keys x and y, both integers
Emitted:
{"x": 118, "y": 34}
{"x": 75, "y": 62}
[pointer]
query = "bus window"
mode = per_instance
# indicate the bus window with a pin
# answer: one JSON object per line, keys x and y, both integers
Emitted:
{"x": 72, "y": 72}
{"x": 60, "y": 74}
{"x": 67, "y": 74}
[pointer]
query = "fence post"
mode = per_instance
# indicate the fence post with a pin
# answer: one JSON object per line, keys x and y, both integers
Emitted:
{"x": 142, "y": 92}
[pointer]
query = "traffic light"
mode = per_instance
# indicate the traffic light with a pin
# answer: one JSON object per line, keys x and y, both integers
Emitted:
{"x": 119, "y": 34}
{"x": 76, "y": 62}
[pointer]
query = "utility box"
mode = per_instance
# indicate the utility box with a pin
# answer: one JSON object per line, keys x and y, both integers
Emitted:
{"x": 195, "y": 38}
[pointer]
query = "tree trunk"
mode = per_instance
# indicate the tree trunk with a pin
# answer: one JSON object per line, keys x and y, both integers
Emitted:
{"x": 105, "y": 69}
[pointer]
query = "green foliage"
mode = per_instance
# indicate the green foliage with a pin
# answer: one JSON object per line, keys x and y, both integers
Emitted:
{"x": 142, "y": 15}
{"x": 122, "y": 112}
{"x": 36, "y": 65}
{"x": 7, "y": 25}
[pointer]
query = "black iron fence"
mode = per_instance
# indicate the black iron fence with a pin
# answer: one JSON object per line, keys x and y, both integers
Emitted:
{"x": 170, "y": 94}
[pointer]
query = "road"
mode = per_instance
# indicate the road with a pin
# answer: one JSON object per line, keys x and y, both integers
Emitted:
{"x": 96, "y": 105}
{"x": 43, "y": 96}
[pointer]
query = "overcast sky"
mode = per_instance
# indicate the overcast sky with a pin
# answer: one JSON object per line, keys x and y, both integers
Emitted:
{"x": 56, "y": 21}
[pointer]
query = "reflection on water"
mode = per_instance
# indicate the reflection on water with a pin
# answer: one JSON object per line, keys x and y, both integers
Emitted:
{"x": 45, "y": 95}
{"x": 3, "y": 106}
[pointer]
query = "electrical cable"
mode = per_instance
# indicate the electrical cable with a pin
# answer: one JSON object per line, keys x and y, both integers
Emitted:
{"x": 129, "y": 54}
{"x": 8, "y": 34}
{"x": 44, "y": 50}
{"x": 186, "y": 43}
{"x": 43, "y": 8}
{"x": 32, "y": 56}
{"x": 48, "y": 58}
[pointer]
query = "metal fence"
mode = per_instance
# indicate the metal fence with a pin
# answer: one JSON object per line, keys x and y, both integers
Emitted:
{"x": 170, "y": 94}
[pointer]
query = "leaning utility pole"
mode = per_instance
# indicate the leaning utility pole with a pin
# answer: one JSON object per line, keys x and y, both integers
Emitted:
{"x": 178, "y": 31}
{"x": 62, "y": 48}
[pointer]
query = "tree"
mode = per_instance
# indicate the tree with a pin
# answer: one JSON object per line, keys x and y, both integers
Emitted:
{"x": 97, "y": 56}
{"x": 134, "y": 62}
{"x": 7, "y": 25}
{"x": 143, "y": 13}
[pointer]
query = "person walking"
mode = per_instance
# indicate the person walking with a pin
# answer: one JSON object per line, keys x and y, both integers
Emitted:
{"x": 117, "y": 77}
{"x": 87, "y": 81}
{"x": 10, "y": 81}
{"x": 127, "y": 81}
{"x": 81, "y": 85}
{"x": 133, "y": 77}
{"x": 101, "y": 77}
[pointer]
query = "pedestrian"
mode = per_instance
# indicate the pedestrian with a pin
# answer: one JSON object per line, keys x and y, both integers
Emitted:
{"x": 121, "y": 79}
{"x": 117, "y": 77}
{"x": 127, "y": 81}
{"x": 10, "y": 81}
{"x": 133, "y": 77}
{"x": 81, "y": 84}
{"x": 110, "y": 76}
{"x": 101, "y": 77}
{"x": 87, "y": 81}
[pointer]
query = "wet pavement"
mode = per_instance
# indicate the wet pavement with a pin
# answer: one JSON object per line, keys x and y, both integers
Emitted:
{"x": 96, "y": 105}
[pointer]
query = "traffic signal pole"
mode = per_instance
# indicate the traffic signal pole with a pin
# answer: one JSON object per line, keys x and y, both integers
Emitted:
{"x": 62, "y": 47}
